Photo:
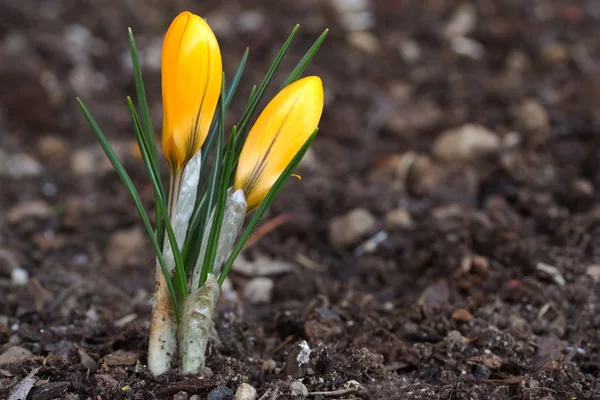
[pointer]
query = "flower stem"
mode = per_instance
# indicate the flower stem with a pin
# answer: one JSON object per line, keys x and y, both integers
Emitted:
{"x": 163, "y": 327}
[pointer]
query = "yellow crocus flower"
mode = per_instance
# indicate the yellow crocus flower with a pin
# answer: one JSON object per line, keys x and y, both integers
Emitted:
{"x": 277, "y": 135}
{"x": 191, "y": 83}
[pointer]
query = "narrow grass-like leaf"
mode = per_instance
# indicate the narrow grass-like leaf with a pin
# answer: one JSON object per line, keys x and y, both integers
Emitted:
{"x": 192, "y": 245}
{"x": 215, "y": 231}
{"x": 275, "y": 189}
{"x": 260, "y": 92}
{"x": 124, "y": 176}
{"x": 147, "y": 129}
{"x": 218, "y": 173}
{"x": 180, "y": 281}
{"x": 305, "y": 61}
{"x": 146, "y": 120}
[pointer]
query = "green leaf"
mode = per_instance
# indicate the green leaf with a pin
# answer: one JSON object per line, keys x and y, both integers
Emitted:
{"x": 180, "y": 282}
{"x": 148, "y": 130}
{"x": 275, "y": 189}
{"x": 124, "y": 176}
{"x": 199, "y": 215}
{"x": 257, "y": 96}
{"x": 305, "y": 61}
{"x": 228, "y": 98}
{"x": 214, "y": 194}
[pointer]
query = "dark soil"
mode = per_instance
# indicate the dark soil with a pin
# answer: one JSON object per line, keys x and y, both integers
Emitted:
{"x": 489, "y": 291}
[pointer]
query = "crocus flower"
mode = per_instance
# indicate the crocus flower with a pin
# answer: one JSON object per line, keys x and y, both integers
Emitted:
{"x": 277, "y": 135}
{"x": 191, "y": 84}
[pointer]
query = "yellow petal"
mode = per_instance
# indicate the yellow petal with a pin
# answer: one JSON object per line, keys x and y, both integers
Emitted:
{"x": 191, "y": 83}
{"x": 277, "y": 135}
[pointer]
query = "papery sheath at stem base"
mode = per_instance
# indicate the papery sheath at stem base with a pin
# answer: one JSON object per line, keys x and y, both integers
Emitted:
{"x": 196, "y": 319}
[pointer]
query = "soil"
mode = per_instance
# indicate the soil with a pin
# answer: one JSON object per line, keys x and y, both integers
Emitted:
{"x": 485, "y": 284}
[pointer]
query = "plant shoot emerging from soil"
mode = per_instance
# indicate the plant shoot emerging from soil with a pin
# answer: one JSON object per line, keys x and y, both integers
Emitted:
{"x": 196, "y": 236}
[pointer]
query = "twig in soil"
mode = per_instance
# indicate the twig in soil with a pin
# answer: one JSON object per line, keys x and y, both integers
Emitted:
{"x": 306, "y": 262}
{"x": 270, "y": 394}
{"x": 281, "y": 345}
{"x": 351, "y": 387}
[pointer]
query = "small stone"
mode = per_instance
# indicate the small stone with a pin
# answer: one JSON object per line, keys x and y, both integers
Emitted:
{"x": 594, "y": 271}
{"x": 532, "y": 117}
{"x": 552, "y": 272}
{"x": 86, "y": 360}
{"x": 84, "y": 79}
{"x": 414, "y": 118}
{"x": 15, "y": 354}
{"x": 435, "y": 296}
{"x": 261, "y": 266}
{"x": 481, "y": 372}
{"x": 19, "y": 165}
{"x": 269, "y": 365}
{"x": 465, "y": 143}
{"x": 250, "y": 21}
{"x": 196, "y": 397}
{"x": 83, "y": 162}
{"x": 180, "y": 396}
{"x": 220, "y": 393}
{"x": 29, "y": 209}
{"x": 480, "y": 265}
{"x": 462, "y": 22}
{"x": 123, "y": 246}
{"x": 555, "y": 53}
{"x": 350, "y": 228}
{"x": 410, "y": 51}
{"x": 245, "y": 392}
{"x": 259, "y": 290}
{"x": 354, "y": 14}
{"x": 582, "y": 188}
{"x": 464, "y": 46}
{"x": 19, "y": 276}
{"x": 462, "y": 315}
{"x": 120, "y": 358}
{"x": 398, "y": 218}
{"x": 364, "y": 41}
{"x": 52, "y": 148}
{"x": 298, "y": 390}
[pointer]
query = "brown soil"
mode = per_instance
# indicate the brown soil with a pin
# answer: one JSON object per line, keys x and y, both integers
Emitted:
{"x": 490, "y": 292}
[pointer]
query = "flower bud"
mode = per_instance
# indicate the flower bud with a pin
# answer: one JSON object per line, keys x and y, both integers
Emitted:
{"x": 191, "y": 84}
{"x": 278, "y": 134}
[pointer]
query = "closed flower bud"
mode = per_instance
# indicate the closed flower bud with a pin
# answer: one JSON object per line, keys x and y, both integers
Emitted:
{"x": 191, "y": 84}
{"x": 278, "y": 134}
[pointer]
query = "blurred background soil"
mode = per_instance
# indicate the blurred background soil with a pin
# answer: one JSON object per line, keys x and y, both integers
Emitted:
{"x": 443, "y": 243}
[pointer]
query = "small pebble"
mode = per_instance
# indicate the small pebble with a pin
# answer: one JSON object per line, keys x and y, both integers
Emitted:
{"x": 298, "y": 390}
{"x": 245, "y": 392}
{"x": 462, "y": 22}
{"x": 269, "y": 365}
{"x": 19, "y": 276}
{"x": 462, "y": 315}
{"x": 180, "y": 396}
{"x": 220, "y": 393}
{"x": 594, "y": 272}
{"x": 52, "y": 148}
{"x": 259, "y": 290}
{"x": 350, "y": 228}
{"x": 481, "y": 372}
{"x": 365, "y": 41}
{"x": 398, "y": 218}
{"x": 465, "y": 143}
